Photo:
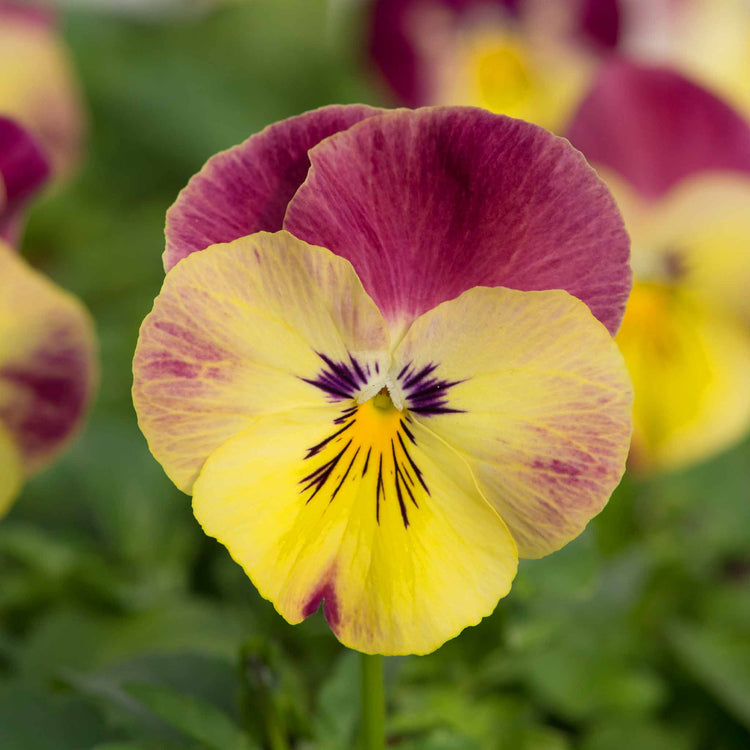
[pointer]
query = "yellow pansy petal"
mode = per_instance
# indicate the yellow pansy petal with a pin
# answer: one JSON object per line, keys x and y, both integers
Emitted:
{"x": 48, "y": 363}
{"x": 690, "y": 366}
{"x": 11, "y": 475}
{"x": 532, "y": 391}
{"x": 705, "y": 223}
{"x": 364, "y": 509}
{"x": 238, "y": 330}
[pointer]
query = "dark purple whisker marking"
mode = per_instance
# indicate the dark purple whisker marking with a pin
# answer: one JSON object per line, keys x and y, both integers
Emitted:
{"x": 424, "y": 392}
{"x": 398, "y": 476}
{"x": 319, "y": 477}
{"x": 322, "y": 444}
{"x": 345, "y": 475}
{"x": 340, "y": 380}
{"x": 414, "y": 467}
{"x": 408, "y": 432}
{"x": 358, "y": 369}
{"x": 379, "y": 487}
{"x": 399, "y": 495}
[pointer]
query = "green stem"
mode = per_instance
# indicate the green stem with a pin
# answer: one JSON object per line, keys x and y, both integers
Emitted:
{"x": 373, "y": 703}
{"x": 276, "y": 734}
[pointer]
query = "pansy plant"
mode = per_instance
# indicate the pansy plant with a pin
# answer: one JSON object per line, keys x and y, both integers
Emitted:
{"x": 47, "y": 348}
{"x": 381, "y": 362}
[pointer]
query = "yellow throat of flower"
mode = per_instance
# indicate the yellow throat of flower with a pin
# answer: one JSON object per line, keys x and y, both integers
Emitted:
{"x": 502, "y": 75}
{"x": 370, "y": 442}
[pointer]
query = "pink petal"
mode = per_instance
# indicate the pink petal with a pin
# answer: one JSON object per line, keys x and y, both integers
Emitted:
{"x": 23, "y": 170}
{"x": 28, "y": 13}
{"x": 429, "y": 203}
{"x": 246, "y": 189}
{"x": 654, "y": 127}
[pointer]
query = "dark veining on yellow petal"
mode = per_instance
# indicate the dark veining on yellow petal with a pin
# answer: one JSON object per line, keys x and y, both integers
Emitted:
{"x": 371, "y": 442}
{"x": 379, "y": 456}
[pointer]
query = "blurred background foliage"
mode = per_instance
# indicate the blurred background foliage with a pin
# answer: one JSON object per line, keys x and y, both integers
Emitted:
{"x": 123, "y": 626}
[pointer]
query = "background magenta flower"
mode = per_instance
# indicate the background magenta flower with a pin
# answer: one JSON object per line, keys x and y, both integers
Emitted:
{"x": 678, "y": 160}
{"x": 394, "y": 41}
{"x": 654, "y": 127}
{"x": 23, "y": 171}
{"x": 37, "y": 85}
{"x": 48, "y": 367}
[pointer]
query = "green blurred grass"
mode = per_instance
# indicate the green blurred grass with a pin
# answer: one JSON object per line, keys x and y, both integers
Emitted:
{"x": 635, "y": 634}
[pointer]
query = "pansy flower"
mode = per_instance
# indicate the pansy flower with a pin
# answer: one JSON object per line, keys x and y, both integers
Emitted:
{"x": 37, "y": 85}
{"x": 678, "y": 161}
{"x": 394, "y": 373}
{"x": 522, "y": 58}
{"x": 47, "y": 347}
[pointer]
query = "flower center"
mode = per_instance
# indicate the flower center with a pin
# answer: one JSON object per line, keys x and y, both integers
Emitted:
{"x": 502, "y": 75}
{"x": 667, "y": 265}
{"x": 369, "y": 449}
{"x": 382, "y": 400}
{"x": 369, "y": 455}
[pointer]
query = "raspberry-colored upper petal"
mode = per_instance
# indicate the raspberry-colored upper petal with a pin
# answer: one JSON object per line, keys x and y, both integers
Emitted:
{"x": 246, "y": 189}
{"x": 429, "y": 203}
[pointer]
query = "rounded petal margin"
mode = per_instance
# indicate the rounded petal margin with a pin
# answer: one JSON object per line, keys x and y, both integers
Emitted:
{"x": 392, "y": 583}
{"x": 690, "y": 364}
{"x": 48, "y": 362}
{"x": 23, "y": 170}
{"x": 242, "y": 329}
{"x": 246, "y": 189}
{"x": 429, "y": 203}
{"x": 38, "y": 87}
{"x": 531, "y": 390}
{"x": 654, "y": 127}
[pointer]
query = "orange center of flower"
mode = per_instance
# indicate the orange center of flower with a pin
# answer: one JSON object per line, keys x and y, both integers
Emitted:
{"x": 503, "y": 76}
{"x": 368, "y": 454}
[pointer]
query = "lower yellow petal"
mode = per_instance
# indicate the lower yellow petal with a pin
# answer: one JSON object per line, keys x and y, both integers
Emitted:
{"x": 10, "y": 472}
{"x": 690, "y": 365}
{"x": 360, "y": 506}
{"x": 535, "y": 396}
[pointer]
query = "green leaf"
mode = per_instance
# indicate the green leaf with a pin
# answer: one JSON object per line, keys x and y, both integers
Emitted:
{"x": 720, "y": 661}
{"x": 194, "y": 718}
{"x": 337, "y": 710}
{"x": 643, "y": 735}
{"x": 33, "y": 718}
